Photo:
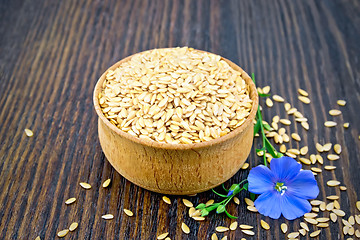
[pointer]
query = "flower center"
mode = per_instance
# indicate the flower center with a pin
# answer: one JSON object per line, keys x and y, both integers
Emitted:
{"x": 280, "y": 187}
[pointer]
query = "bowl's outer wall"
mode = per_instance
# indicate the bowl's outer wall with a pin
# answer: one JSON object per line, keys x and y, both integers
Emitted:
{"x": 176, "y": 169}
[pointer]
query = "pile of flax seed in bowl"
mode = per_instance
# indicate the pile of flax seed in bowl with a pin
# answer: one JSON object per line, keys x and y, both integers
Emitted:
{"x": 175, "y": 95}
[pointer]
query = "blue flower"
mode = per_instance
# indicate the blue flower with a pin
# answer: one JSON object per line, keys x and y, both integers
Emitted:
{"x": 284, "y": 189}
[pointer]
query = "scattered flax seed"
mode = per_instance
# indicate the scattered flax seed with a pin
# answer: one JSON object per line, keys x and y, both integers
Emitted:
{"x": 333, "y": 217}
{"x": 73, "y": 226}
{"x": 285, "y": 121}
{"x": 128, "y": 212}
{"x": 222, "y": 229}
{"x": 332, "y": 157}
{"x": 305, "y": 125}
{"x": 293, "y": 235}
{"x": 249, "y": 202}
{"x": 303, "y": 92}
{"x": 315, "y": 169}
{"x": 315, "y": 233}
{"x": 333, "y": 183}
{"x": 304, "y": 150}
{"x": 319, "y": 147}
{"x": 162, "y": 236}
{"x": 63, "y": 233}
{"x": 310, "y": 215}
{"x": 330, "y": 124}
{"x": 351, "y": 231}
{"x": 357, "y": 233}
{"x": 233, "y": 226}
{"x": 70, "y": 201}
{"x": 269, "y": 103}
{"x": 166, "y": 199}
{"x": 236, "y": 200}
{"x": 191, "y": 211}
{"x": 198, "y": 218}
{"x": 346, "y": 125}
{"x": 302, "y": 232}
{"x": 322, "y": 206}
{"x": 313, "y": 158}
{"x": 332, "y": 197}
{"x": 224, "y": 238}
{"x": 304, "y": 99}
{"x": 211, "y": 201}
{"x": 287, "y": 106}
{"x": 346, "y": 230}
{"x": 319, "y": 158}
{"x": 323, "y": 219}
{"x": 245, "y": 166}
{"x": 107, "y": 216}
{"x": 264, "y": 225}
{"x": 334, "y": 112}
{"x": 301, "y": 119}
{"x": 337, "y": 148}
{"x": 185, "y": 228}
{"x": 327, "y": 147}
{"x": 351, "y": 220}
{"x": 252, "y": 209}
{"x": 246, "y": 227}
{"x": 339, "y": 212}
{"x": 106, "y": 183}
{"x": 357, "y": 219}
{"x": 294, "y": 151}
{"x": 85, "y": 185}
{"x": 284, "y": 227}
{"x": 316, "y": 202}
{"x": 248, "y": 232}
{"x": 336, "y": 204}
{"x": 282, "y": 148}
{"x": 187, "y": 203}
{"x": 315, "y": 209}
{"x": 311, "y": 221}
{"x": 38, "y": 238}
{"x": 266, "y": 89}
{"x": 342, "y": 188}
{"x": 296, "y": 137}
{"x": 292, "y": 111}
{"x": 278, "y": 98}
{"x": 304, "y": 226}
{"x": 358, "y": 205}
{"x": 214, "y": 237}
{"x": 329, "y": 168}
{"x": 341, "y": 102}
{"x": 28, "y": 132}
{"x": 305, "y": 161}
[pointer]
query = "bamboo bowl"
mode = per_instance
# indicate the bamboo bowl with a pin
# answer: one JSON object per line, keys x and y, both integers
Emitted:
{"x": 180, "y": 169}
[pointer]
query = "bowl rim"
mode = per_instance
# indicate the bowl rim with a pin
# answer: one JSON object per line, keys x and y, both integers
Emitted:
{"x": 177, "y": 146}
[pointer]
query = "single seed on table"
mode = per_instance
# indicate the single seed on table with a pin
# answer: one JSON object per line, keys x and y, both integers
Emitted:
{"x": 282, "y": 148}
{"x": 313, "y": 158}
{"x": 185, "y": 228}
{"x": 342, "y": 188}
{"x": 293, "y": 235}
{"x": 303, "y": 92}
{"x": 357, "y": 219}
{"x": 107, "y": 216}
{"x": 106, "y": 183}
{"x": 249, "y": 202}
{"x": 315, "y": 233}
{"x": 336, "y": 204}
{"x": 162, "y": 236}
{"x": 236, "y": 200}
{"x": 316, "y": 202}
{"x": 70, "y": 201}
{"x": 357, "y": 233}
{"x": 266, "y": 89}
{"x": 351, "y": 231}
{"x": 327, "y": 147}
{"x": 351, "y": 220}
{"x": 319, "y": 158}
{"x": 278, "y": 98}
{"x": 233, "y": 226}
{"x": 334, "y": 112}
{"x": 315, "y": 209}
{"x": 222, "y": 229}
{"x": 211, "y": 201}
{"x": 305, "y": 161}
{"x": 333, "y": 217}
{"x": 322, "y": 206}
{"x": 214, "y": 237}
{"x": 85, "y": 185}
{"x": 166, "y": 199}
{"x": 38, "y": 238}
{"x": 294, "y": 151}
{"x": 287, "y": 106}
{"x": 323, "y": 225}
{"x": 284, "y": 227}
{"x": 346, "y": 125}
{"x": 73, "y": 226}
{"x": 329, "y": 167}
{"x": 337, "y": 148}
{"x": 63, "y": 233}
{"x": 264, "y": 225}
{"x": 252, "y": 208}
{"x": 301, "y": 119}
{"x": 346, "y": 230}
{"x": 339, "y": 212}
{"x": 310, "y": 215}
{"x": 269, "y": 103}
{"x": 304, "y": 226}
{"x": 330, "y": 124}
{"x": 332, "y": 157}
{"x": 224, "y": 238}
{"x": 322, "y": 219}
{"x": 248, "y": 232}
{"x": 302, "y": 232}
{"x": 341, "y": 102}
{"x": 296, "y": 137}
{"x": 187, "y": 203}
{"x": 305, "y": 125}
{"x": 285, "y": 121}
{"x": 304, "y": 99}
{"x": 358, "y": 205}
{"x": 245, "y": 166}
{"x": 304, "y": 150}
{"x": 298, "y": 114}
{"x": 128, "y": 212}
{"x": 315, "y": 169}
{"x": 282, "y": 131}
{"x": 333, "y": 183}
{"x": 198, "y": 218}
{"x": 244, "y": 226}
{"x": 332, "y": 197}
{"x": 319, "y": 147}
{"x": 28, "y": 132}
{"x": 191, "y": 211}
{"x": 311, "y": 221}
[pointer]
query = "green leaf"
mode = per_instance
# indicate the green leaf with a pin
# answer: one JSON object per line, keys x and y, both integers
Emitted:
{"x": 219, "y": 194}
{"x": 229, "y": 215}
{"x": 257, "y": 127}
{"x": 223, "y": 186}
{"x": 245, "y": 186}
{"x": 269, "y": 147}
{"x": 212, "y": 206}
{"x": 200, "y": 206}
{"x": 252, "y": 196}
{"x": 204, "y": 212}
{"x": 267, "y": 127}
{"x": 263, "y": 95}
{"x": 220, "y": 209}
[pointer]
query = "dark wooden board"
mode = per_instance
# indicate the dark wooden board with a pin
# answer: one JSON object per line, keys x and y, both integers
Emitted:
{"x": 53, "y": 52}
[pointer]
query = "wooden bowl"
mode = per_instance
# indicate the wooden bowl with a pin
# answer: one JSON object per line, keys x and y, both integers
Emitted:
{"x": 180, "y": 169}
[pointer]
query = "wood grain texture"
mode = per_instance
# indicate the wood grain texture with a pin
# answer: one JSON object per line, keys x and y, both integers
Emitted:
{"x": 53, "y": 52}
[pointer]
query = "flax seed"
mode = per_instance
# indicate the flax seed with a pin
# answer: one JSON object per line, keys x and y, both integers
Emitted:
{"x": 222, "y": 229}
{"x": 233, "y": 226}
{"x": 264, "y": 225}
{"x": 73, "y": 226}
{"x": 106, "y": 183}
{"x": 341, "y": 102}
{"x": 185, "y": 228}
{"x": 166, "y": 199}
{"x": 63, "y": 233}
{"x": 85, "y": 185}
{"x": 304, "y": 99}
{"x": 28, "y": 132}
{"x": 303, "y": 92}
{"x": 284, "y": 227}
{"x": 162, "y": 236}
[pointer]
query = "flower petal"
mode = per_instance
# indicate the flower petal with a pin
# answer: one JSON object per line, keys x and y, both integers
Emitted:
{"x": 260, "y": 179}
{"x": 303, "y": 185}
{"x": 293, "y": 207}
{"x": 284, "y": 168}
{"x": 268, "y": 204}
